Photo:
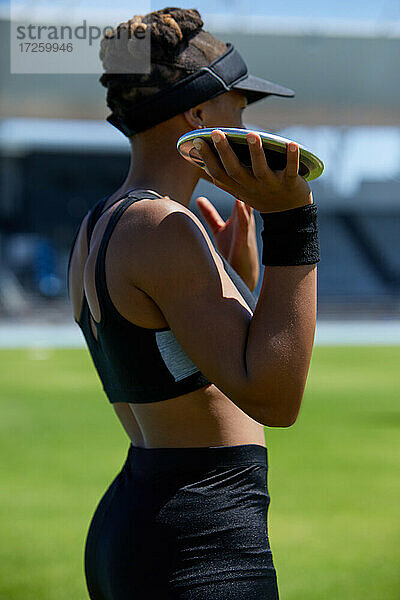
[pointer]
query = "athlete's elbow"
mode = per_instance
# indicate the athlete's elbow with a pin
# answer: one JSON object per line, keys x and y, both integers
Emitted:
{"x": 276, "y": 408}
{"x": 281, "y": 421}
{"x": 270, "y": 418}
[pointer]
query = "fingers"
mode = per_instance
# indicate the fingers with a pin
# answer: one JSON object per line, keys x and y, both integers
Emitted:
{"x": 292, "y": 165}
{"x": 259, "y": 163}
{"x": 211, "y": 162}
{"x": 227, "y": 156}
{"x": 230, "y": 163}
{"x": 242, "y": 211}
{"x": 210, "y": 213}
{"x": 249, "y": 209}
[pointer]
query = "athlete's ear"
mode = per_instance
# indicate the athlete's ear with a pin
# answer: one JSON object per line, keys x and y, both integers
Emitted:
{"x": 194, "y": 117}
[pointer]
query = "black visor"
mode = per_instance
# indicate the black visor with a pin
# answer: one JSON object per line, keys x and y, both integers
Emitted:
{"x": 227, "y": 72}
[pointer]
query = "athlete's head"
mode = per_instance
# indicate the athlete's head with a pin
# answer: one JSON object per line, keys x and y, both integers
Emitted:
{"x": 179, "y": 47}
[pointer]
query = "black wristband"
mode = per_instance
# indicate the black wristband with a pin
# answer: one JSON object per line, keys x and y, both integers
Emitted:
{"x": 290, "y": 237}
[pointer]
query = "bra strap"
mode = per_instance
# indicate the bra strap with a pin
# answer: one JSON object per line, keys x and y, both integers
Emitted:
{"x": 103, "y": 297}
{"x": 93, "y": 211}
{"x": 94, "y": 214}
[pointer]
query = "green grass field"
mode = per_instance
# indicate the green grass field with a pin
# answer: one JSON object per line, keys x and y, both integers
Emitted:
{"x": 334, "y": 521}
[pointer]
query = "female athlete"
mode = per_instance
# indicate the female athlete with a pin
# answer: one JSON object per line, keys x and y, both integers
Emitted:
{"x": 193, "y": 364}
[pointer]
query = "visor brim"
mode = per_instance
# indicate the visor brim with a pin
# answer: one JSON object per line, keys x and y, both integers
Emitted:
{"x": 257, "y": 88}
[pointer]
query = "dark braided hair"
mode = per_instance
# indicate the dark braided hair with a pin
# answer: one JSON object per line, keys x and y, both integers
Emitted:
{"x": 179, "y": 46}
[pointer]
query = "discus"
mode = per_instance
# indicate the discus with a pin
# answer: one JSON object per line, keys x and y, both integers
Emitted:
{"x": 275, "y": 149}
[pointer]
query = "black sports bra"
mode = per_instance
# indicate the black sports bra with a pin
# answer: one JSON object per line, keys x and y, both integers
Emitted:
{"x": 137, "y": 364}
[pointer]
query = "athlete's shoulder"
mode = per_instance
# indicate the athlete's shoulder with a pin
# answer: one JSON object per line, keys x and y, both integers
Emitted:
{"x": 152, "y": 216}
{"x": 157, "y": 206}
{"x": 163, "y": 233}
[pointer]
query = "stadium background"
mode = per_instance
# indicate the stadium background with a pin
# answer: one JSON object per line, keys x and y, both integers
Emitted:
{"x": 58, "y": 157}
{"x": 333, "y": 476}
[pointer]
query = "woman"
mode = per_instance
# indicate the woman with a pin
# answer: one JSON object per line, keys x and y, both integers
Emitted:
{"x": 193, "y": 365}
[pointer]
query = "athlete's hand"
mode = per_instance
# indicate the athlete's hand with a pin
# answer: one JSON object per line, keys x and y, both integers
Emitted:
{"x": 259, "y": 186}
{"x": 235, "y": 238}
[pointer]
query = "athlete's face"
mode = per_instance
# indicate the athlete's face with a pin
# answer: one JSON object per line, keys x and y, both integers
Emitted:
{"x": 225, "y": 110}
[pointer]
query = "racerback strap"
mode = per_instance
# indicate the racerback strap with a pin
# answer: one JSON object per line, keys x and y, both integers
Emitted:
{"x": 94, "y": 215}
{"x": 103, "y": 296}
{"x": 93, "y": 212}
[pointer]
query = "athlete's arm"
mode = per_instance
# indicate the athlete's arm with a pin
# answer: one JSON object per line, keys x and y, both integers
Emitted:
{"x": 259, "y": 361}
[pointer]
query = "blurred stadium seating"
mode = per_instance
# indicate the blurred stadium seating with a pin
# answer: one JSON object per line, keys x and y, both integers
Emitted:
{"x": 52, "y": 172}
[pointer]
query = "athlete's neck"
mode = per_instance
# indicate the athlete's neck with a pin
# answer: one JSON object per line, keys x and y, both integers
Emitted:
{"x": 157, "y": 165}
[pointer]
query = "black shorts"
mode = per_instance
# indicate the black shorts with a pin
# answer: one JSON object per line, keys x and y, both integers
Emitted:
{"x": 184, "y": 524}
